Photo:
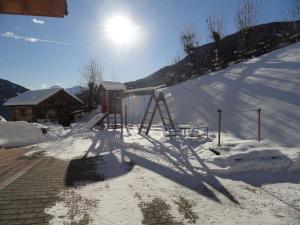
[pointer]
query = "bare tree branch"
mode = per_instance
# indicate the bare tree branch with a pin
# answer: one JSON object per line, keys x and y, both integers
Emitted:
{"x": 247, "y": 14}
{"x": 292, "y": 10}
{"x": 189, "y": 39}
{"x": 246, "y": 18}
{"x": 92, "y": 75}
{"x": 215, "y": 26}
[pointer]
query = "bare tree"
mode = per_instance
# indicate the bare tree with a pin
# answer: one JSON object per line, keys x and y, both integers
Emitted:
{"x": 92, "y": 75}
{"x": 189, "y": 42}
{"x": 246, "y": 18}
{"x": 215, "y": 26}
{"x": 292, "y": 13}
{"x": 189, "y": 39}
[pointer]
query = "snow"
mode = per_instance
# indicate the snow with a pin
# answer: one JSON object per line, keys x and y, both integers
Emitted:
{"x": 270, "y": 82}
{"x": 35, "y": 97}
{"x": 20, "y": 133}
{"x": 2, "y": 119}
{"x": 172, "y": 167}
{"x": 113, "y": 85}
{"x": 32, "y": 97}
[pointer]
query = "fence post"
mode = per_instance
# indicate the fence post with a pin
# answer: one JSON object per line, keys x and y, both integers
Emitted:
{"x": 126, "y": 115}
{"x": 258, "y": 125}
{"x": 116, "y": 113}
{"x": 121, "y": 113}
{"x": 219, "y": 127}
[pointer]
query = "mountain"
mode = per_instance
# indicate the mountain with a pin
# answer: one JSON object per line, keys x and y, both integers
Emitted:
{"x": 265, "y": 38}
{"x": 75, "y": 90}
{"x": 8, "y": 90}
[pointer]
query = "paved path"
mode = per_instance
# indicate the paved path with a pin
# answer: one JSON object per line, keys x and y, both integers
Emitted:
{"x": 13, "y": 164}
{"x": 24, "y": 200}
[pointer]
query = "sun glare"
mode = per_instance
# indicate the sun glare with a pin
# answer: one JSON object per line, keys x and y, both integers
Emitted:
{"x": 121, "y": 30}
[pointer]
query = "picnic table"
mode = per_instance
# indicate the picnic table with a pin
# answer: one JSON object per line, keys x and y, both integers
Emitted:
{"x": 184, "y": 128}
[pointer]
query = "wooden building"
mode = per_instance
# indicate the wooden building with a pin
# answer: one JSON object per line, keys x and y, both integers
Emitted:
{"x": 55, "y": 105}
{"x": 110, "y": 92}
{"x": 111, "y": 104}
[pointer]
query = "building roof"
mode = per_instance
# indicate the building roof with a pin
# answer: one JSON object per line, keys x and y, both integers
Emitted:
{"x": 138, "y": 92}
{"x": 35, "y": 97}
{"x": 113, "y": 86}
{"x": 52, "y": 8}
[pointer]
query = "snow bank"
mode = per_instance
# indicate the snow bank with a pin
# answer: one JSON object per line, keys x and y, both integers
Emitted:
{"x": 52, "y": 130}
{"x": 2, "y": 119}
{"x": 20, "y": 133}
{"x": 247, "y": 155}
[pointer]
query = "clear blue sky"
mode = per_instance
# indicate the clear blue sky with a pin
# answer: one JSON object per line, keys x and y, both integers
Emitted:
{"x": 70, "y": 42}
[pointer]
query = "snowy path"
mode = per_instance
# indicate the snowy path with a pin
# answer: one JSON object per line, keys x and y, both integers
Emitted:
{"x": 179, "y": 174}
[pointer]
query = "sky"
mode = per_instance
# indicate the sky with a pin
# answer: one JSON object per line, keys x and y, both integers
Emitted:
{"x": 39, "y": 52}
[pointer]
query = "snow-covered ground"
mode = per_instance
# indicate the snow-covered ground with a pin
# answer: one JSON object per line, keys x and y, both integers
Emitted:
{"x": 249, "y": 182}
{"x": 270, "y": 82}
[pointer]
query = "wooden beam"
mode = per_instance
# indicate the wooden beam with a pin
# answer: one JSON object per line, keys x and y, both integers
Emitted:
{"x": 49, "y": 8}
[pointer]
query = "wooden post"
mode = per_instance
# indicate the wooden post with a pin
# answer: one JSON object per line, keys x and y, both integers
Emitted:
{"x": 258, "y": 125}
{"x": 219, "y": 127}
{"x": 126, "y": 115}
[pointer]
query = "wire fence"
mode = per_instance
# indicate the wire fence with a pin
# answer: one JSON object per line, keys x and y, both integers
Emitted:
{"x": 220, "y": 111}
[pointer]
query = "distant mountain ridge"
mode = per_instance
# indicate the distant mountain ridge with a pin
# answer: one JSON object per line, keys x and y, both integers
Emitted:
{"x": 75, "y": 90}
{"x": 182, "y": 70}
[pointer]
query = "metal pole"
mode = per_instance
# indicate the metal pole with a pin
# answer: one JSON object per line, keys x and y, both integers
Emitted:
{"x": 121, "y": 113}
{"x": 126, "y": 115}
{"x": 219, "y": 127}
{"x": 258, "y": 125}
{"x": 116, "y": 112}
{"x": 207, "y": 132}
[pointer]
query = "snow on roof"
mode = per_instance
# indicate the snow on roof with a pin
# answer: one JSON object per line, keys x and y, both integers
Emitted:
{"x": 113, "y": 85}
{"x": 139, "y": 91}
{"x": 35, "y": 97}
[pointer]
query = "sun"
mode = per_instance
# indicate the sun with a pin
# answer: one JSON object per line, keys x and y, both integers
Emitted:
{"x": 121, "y": 30}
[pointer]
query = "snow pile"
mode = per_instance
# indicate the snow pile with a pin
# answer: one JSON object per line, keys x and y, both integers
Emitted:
{"x": 270, "y": 82}
{"x": 2, "y": 119}
{"x": 52, "y": 130}
{"x": 249, "y": 155}
{"x": 20, "y": 133}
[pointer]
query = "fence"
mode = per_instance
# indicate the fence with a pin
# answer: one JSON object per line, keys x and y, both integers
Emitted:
{"x": 239, "y": 111}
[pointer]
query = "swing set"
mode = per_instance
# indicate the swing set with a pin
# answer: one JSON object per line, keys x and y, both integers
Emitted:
{"x": 157, "y": 102}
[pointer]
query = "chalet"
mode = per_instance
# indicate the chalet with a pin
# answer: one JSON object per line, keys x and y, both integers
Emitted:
{"x": 55, "y": 105}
